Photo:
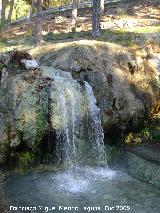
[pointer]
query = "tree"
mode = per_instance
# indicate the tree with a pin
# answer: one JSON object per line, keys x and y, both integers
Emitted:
{"x": 32, "y": 9}
{"x": 3, "y": 11}
{"x": 10, "y": 10}
{"x": 96, "y": 29}
{"x": 74, "y": 14}
{"x": 102, "y": 7}
{"x": 38, "y": 23}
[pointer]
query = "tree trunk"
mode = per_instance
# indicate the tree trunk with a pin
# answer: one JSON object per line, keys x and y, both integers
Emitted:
{"x": 33, "y": 7}
{"x": 74, "y": 14}
{"x": 10, "y": 10}
{"x": 39, "y": 38}
{"x": 102, "y": 7}
{"x": 32, "y": 10}
{"x": 3, "y": 11}
{"x": 96, "y": 29}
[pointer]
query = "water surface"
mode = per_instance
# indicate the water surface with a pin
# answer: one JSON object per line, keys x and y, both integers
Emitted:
{"x": 84, "y": 189}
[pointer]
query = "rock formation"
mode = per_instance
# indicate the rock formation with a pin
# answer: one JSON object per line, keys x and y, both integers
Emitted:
{"x": 125, "y": 89}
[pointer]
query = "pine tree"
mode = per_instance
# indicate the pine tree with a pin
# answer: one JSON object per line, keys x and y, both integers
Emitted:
{"x": 96, "y": 29}
{"x": 39, "y": 38}
{"x": 32, "y": 8}
{"x": 3, "y": 11}
{"x": 10, "y": 10}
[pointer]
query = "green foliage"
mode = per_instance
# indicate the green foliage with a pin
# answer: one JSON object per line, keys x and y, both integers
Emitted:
{"x": 148, "y": 134}
{"x": 49, "y": 3}
{"x": 132, "y": 138}
{"x": 41, "y": 122}
{"x": 21, "y": 8}
{"x": 41, "y": 126}
{"x": 56, "y": 3}
{"x": 25, "y": 159}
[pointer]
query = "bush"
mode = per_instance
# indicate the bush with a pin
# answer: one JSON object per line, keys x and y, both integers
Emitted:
{"x": 25, "y": 159}
{"x": 145, "y": 135}
{"x": 133, "y": 138}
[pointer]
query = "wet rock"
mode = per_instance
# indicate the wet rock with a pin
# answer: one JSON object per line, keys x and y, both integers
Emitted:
{"x": 142, "y": 169}
{"x": 29, "y": 106}
{"x": 3, "y": 139}
{"x": 4, "y": 76}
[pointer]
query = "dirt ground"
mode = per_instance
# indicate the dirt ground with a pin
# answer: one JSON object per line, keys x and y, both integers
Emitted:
{"x": 124, "y": 16}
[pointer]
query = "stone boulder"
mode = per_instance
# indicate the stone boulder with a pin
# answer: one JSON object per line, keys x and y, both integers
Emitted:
{"x": 124, "y": 84}
{"x": 30, "y": 108}
{"x": 22, "y": 114}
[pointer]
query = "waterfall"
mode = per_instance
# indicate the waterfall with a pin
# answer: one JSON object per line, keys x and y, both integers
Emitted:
{"x": 76, "y": 118}
{"x": 96, "y": 131}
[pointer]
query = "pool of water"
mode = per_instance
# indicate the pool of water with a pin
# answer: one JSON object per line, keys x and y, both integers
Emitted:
{"x": 87, "y": 189}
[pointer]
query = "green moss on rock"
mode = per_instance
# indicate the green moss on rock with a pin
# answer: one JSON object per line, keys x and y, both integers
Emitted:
{"x": 25, "y": 160}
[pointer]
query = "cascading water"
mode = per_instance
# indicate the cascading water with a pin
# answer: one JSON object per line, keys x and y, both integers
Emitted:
{"x": 80, "y": 134}
{"x": 95, "y": 128}
{"x": 68, "y": 112}
{"x": 85, "y": 182}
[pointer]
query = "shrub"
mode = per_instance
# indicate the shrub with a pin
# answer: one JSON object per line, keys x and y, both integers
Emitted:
{"x": 133, "y": 138}
{"x": 25, "y": 159}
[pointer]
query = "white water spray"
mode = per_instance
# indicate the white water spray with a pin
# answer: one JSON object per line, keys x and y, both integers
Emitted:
{"x": 79, "y": 134}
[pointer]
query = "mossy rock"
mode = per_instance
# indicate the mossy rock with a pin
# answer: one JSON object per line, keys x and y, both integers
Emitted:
{"x": 25, "y": 160}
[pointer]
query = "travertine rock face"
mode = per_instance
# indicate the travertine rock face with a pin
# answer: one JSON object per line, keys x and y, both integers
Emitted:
{"x": 125, "y": 89}
{"x": 22, "y": 116}
{"x": 30, "y": 107}
{"x": 125, "y": 85}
